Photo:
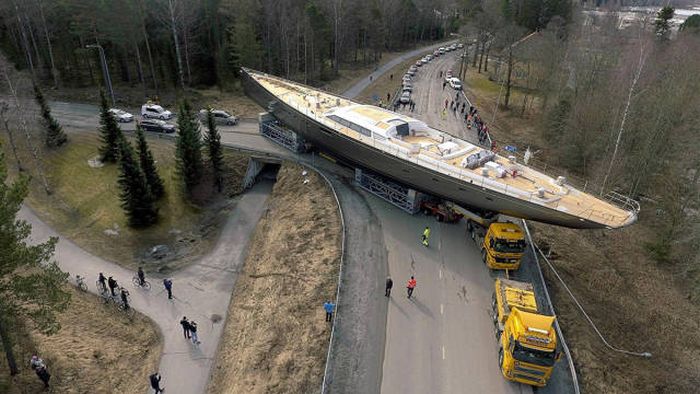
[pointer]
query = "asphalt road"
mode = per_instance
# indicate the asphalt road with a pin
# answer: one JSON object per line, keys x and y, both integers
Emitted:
{"x": 356, "y": 89}
{"x": 440, "y": 342}
{"x": 429, "y": 96}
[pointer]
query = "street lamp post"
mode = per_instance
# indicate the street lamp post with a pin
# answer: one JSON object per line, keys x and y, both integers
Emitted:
{"x": 105, "y": 70}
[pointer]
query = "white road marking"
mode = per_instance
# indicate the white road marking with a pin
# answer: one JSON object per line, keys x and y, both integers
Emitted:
{"x": 442, "y": 309}
{"x": 443, "y": 352}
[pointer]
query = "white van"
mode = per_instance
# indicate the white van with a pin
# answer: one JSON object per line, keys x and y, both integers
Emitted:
{"x": 150, "y": 110}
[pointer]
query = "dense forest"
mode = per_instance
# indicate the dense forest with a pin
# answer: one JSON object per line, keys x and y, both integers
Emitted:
{"x": 188, "y": 43}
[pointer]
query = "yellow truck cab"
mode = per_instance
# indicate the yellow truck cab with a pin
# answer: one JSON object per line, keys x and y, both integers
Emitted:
{"x": 502, "y": 243}
{"x": 527, "y": 340}
{"x": 503, "y": 246}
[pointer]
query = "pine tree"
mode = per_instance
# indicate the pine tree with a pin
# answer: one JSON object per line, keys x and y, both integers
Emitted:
{"x": 216, "y": 156}
{"x": 148, "y": 166}
{"x": 55, "y": 136}
{"x": 136, "y": 198}
{"x": 110, "y": 133}
{"x": 662, "y": 24}
{"x": 188, "y": 148}
{"x": 31, "y": 284}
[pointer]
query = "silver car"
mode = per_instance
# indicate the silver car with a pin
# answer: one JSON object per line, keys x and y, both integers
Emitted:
{"x": 220, "y": 116}
{"x": 121, "y": 116}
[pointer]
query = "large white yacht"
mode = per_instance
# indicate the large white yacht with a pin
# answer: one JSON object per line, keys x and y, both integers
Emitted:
{"x": 432, "y": 161}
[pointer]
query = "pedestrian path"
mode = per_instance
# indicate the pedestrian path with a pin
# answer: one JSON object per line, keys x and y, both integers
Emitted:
{"x": 202, "y": 291}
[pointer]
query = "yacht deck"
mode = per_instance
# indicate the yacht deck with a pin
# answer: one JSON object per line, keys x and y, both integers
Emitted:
{"x": 442, "y": 152}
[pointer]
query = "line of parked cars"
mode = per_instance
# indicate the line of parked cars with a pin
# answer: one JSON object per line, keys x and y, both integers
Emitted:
{"x": 407, "y": 86}
{"x": 154, "y": 117}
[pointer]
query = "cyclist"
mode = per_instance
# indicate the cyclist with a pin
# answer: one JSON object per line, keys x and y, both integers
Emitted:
{"x": 142, "y": 277}
{"x": 125, "y": 298}
{"x": 103, "y": 282}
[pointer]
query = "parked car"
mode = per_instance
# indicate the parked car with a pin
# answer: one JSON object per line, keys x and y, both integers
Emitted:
{"x": 442, "y": 50}
{"x": 436, "y": 53}
{"x": 121, "y": 116}
{"x": 456, "y": 84}
{"x": 406, "y": 78}
{"x": 405, "y": 97}
{"x": 419, "y": 63}
{"x": 429, "y": 57}
{"x": 220, "y": 117}
{"x": 407, "y": 88}
{"x": 157, "y": 125}
{"x": 150, "y": 110}
{"x": 411, "y": 72}
{"x": 424, "y": 60}
{"x": 460, "y": 46}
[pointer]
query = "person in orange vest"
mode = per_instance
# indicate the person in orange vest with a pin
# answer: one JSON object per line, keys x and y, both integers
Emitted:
{"x": 410, "y": 286}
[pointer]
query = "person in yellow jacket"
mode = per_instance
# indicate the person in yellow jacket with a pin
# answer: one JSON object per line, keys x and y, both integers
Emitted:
{"x": 426, "y": 236}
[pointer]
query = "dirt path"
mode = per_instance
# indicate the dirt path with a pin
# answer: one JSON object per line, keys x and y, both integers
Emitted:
{"x": 201, "y": 292}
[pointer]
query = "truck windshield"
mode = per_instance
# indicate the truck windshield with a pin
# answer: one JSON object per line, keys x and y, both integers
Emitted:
{"x": 509, "y": 246}
{"x": 533, "y": 356}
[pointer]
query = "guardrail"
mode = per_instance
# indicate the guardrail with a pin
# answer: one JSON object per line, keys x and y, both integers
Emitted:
{"x": 560, "y": 335}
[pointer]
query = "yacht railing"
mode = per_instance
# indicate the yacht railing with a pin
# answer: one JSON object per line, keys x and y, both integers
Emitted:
{"x": 589, "y": 213}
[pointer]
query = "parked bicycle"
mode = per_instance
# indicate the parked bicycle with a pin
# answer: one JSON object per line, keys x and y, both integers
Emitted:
{"x": 137, "y": 282}
{"x": 80, "y": 282}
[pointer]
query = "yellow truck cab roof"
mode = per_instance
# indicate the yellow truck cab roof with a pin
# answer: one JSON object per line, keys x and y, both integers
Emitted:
{"x": 507, "y": 230}
{"x": 535, "y": 330}
{"x": 511, "y": 294}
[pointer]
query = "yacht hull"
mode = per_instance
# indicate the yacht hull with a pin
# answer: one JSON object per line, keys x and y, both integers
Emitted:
{"x": 415, "y": 176}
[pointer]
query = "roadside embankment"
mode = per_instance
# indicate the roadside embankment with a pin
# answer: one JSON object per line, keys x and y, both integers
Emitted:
{"x": 276, "y": 338}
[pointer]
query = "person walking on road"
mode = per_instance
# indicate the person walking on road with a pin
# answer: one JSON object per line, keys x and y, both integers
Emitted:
{"x": 388, "y": 286}
{"x": 426, "y": 236}
{"x": 142, "y": 277}
{"x": 370, "y": 78}
{"x": 388, "y": 97}
{"x": 103, "y": 282}
{"x": 193, "y": 332}
{"x": 112, "y": 285}
{"x": 168, "y": 284}
{"x": 443, "y": 85}
{"x": 155, "y": 383}
{"x": 391, "y": 77}
{"x": 440, "y": 74}
{"x": 410, "y": 286}
{"x": 446, "y": 102}
{"x": 185, "y": 327}
{"x": 328, "y": 307}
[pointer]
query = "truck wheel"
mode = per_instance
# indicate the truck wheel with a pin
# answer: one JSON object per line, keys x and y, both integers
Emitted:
{"x": 500, "y": 358}
{"x": 439, "y": 218}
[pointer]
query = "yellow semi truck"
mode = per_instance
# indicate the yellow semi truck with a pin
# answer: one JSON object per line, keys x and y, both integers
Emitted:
{"x": 527, "y": 340}
{"x": 502, "y": 243}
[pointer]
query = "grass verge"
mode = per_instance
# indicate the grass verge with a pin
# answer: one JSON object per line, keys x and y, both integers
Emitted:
{"x": 97, "y": 350}
{"x": 84, "y": 206}
{"x": 276, "y": 338}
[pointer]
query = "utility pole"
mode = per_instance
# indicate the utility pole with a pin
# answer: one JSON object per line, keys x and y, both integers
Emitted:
{"x": 105, "y": 69}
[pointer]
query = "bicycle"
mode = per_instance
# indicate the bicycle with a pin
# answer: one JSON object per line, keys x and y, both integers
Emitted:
{"x": 137, "y": 282}
{"x": 123, "y": 306}
{"x": 80, "y": 282}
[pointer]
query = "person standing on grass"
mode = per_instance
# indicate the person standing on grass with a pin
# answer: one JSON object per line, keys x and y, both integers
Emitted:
{"x": 168, "y": 284}
{"x": 328, "y": 307}
{"x": 411, "y": 285}
{"x": 387, "y": 288}
{"x": 125, "y": 298}
{"x": 193, "y": 332}
{"x": 155, "y": 383}
{"x": 185, "y": 327}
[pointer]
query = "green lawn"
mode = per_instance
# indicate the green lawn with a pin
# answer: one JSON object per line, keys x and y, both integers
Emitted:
{"x": 85, "y": 202}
